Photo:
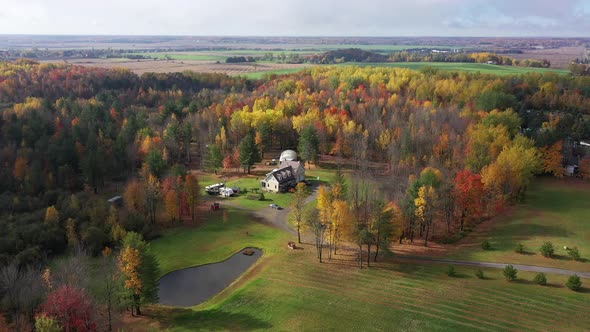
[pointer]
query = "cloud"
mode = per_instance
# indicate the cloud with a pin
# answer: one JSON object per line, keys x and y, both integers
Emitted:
{"x": 301, "y": 17}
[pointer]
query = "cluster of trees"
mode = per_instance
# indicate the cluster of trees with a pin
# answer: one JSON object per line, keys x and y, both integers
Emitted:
{"x": 347, "y": 55}
{"x": 239, "y": 59}
{"x": 77, "y": 294}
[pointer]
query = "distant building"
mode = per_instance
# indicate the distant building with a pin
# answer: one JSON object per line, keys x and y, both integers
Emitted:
{"x": 279, "y": 180}
{"x": 116, "y": 201}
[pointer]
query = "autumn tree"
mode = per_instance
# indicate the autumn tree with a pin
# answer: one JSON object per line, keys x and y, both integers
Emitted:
{"x": 385, "y": 224}
{"x": 585, "y": 168}
{"x": 469, "y": 195}
{"x": 72, "y": 307}
{"x": 51, "y": 215}
{"x": 172, "y": 205}
{"x": 553, "y": 159}
{"x": 297, "y": 207}
{"x": 249, "y": 153}
{"x": 191, "y": 190}
{"x": 425, "y": 208}
{"x": 140, "y": 272}
{"x": 325, "y": 208}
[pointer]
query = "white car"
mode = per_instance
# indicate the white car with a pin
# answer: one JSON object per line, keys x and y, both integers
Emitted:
{"x": 275, "y": 206}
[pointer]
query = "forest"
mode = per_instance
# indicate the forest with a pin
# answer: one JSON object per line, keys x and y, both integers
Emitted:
{"x": 441, "y": 150}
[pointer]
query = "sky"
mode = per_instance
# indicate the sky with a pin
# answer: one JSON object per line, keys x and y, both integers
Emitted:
{"x": 559, "y": 18}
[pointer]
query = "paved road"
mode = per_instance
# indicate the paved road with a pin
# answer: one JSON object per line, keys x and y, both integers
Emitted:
{"x": 280, "y": 218}
{"x": 530, "y": 268}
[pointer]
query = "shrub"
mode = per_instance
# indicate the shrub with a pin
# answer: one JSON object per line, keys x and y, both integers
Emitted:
{"x": 574, "y": 283}
{"x": 451, "y": 271}
{"x": 509, "y": 273}
{"x": 574, "y": 253}
{"x": 485, "y": 245}
{"x": 479, "y": 274}
{"x": 519, "y": 248}
{"x": 540, "y": 279}
{"x": 547, "y": 249}
{"x": 261, "y": 197}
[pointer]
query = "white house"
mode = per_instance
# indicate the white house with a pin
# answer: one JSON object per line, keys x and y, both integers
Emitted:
{"x": 279, "y": 180}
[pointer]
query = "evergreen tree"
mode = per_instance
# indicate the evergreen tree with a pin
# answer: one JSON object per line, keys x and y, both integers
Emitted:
{"x": 249, "y": 153}
{"x": 309, "y": 145}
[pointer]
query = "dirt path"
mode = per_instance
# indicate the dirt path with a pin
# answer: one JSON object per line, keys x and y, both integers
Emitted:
{"x": 531, "y": 268}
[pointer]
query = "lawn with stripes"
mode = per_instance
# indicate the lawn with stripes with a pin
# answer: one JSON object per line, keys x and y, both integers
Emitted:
{"x": 554, "y": 210}
{"x": 290, "y": 290}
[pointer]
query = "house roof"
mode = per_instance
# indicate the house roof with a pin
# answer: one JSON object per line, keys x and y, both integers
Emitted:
{"x": 281, "y": 175}
{"x": 294, "y": 164}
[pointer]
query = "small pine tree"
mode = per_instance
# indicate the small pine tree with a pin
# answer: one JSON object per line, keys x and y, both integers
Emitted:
{"x": 479, "y": 274}
{"x": 451, "y": 272}
{"x": 519, "y": 248}
{"x": 485, "y": 245}
{"x": 509, "y": 273}
{"x": 547, "y": 249}
{"x": 261, "y": 197}
{"x": 574, "y": 283}
{"x": 574, "y": 253}
{"x": 540, "y": 279}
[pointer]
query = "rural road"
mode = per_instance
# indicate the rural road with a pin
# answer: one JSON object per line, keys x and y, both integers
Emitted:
{"x": 280, "y": 218}
{"x": 531, "y": 268}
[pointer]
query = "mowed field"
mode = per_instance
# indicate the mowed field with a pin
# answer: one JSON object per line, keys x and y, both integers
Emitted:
{"x": 256, "y": 70}
{"x": 291, "y": 290}
{"x": 554, "y": 210}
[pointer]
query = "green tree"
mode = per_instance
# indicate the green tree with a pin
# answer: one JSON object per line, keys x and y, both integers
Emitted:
{"x": 574, "y": 282}
{"x": 156, "y": 163}
{"x": 547, "y": 249}
{"x": 249, "y": 153}
{"x": 509, "y": 272}
{"x": 540, "y": 279}
{"x": 309, "y": 145}
{"x": 213, "y": 158}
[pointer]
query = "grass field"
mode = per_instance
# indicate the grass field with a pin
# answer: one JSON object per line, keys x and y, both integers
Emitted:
{"x": 554, "y": 210}
{"x": 290, "y": 290}
{"x": 262, "y": 74}
{"x": 469, "y": 67}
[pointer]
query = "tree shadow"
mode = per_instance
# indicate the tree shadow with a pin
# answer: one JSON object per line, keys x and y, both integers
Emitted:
{"x": 212, "y": 319}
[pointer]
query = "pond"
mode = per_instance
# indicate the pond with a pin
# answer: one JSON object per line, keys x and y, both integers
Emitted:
{"x": 195, "y": 285}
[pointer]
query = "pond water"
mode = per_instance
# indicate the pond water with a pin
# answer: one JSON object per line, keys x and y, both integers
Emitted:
{"x": 195, "y": 285}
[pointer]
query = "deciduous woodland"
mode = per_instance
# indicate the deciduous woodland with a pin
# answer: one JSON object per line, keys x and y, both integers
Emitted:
{"x": 431, "y": 154}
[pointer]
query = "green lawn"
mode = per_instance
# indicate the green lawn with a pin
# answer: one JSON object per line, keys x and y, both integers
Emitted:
{"x": 554, "y": 210}
{"x": 469, "y": 67}
{"x": 292, "y": 291}
{"x": 225, "y": 232}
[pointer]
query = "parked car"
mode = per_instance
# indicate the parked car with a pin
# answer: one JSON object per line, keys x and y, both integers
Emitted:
{"x": 275, "y": 206}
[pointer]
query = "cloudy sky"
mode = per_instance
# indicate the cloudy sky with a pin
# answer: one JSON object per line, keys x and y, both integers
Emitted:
{"x": 298, "y": 17}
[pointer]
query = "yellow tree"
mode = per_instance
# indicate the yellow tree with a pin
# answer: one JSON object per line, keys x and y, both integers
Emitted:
{"x": 342, "y": 222}
{"x": 51, "y": 215}
{"x": 134, "y": 197}
{"x": 297, "y": 205}
{"x": 129, "y": 264}
{"x": 425, "y": 208}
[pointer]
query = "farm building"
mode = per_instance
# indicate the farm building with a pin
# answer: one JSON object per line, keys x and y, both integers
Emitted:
{"x": 297, "y": 166}
{"x": 279, "y": 180}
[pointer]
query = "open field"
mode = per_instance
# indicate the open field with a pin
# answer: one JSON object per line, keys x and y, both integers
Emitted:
{"x": 559, "y": 57}
{"x": 555, "y": 211}
{"x": 290, "y": 290}
{"x": 167, "y": 66}
{"x": 468, "y": 67}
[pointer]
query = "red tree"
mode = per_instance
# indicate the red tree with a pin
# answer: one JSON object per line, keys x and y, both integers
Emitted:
{"x": 469, "y": 194}
{"x": 72, "y": 307}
